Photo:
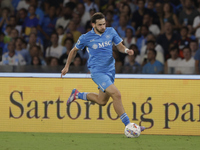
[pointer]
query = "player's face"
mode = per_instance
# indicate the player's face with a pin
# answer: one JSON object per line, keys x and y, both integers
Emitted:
{"x": 100, "y": 25}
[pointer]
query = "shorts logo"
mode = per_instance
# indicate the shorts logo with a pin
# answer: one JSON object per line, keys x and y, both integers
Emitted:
{"x": 95, "y": 46}
{"x": 78, "y": 42}
{"x": 103, "y": 84}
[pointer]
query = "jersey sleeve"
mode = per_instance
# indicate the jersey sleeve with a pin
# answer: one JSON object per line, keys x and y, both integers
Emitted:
{"x": 80, "y": 44}
{"x": 116, "y": 38}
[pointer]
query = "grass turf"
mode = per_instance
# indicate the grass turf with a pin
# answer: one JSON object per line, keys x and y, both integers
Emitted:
{"x": 75, "y": 141}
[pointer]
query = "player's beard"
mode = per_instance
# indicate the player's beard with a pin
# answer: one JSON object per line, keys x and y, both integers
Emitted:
{"x": 100, "y": 32}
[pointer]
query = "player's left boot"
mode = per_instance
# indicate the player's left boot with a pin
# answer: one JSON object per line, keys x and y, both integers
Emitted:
{"x": 73, "y": 96}
{"x": 142, "y": 128}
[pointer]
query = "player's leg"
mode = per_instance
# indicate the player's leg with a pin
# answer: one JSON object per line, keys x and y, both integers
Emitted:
{"x": 101, "y": 98}
{"x": 117, "y": 103}
{"x": 102, "y": 80}
{"x": 116, "y": 96}
{"x": 113, "y": 92}
{"x": 106, "y": 89}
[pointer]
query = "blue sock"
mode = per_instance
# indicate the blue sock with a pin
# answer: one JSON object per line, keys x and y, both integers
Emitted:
{"x": 125, "y": 119}
{"x": 82, "y": 95}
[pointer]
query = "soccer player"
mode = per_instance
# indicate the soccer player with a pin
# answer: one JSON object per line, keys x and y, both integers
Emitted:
{"x": 101, "y": 64}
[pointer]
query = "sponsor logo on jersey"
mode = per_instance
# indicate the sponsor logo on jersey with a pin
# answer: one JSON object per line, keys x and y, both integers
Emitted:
{"x": 101, "y": 45}
{"x": 104, "y": 44}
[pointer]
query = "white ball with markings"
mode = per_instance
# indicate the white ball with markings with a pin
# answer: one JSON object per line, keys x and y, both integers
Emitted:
{"x": 132, "y": 130}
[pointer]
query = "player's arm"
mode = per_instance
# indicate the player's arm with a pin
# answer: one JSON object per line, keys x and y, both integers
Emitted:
{"x": 123, "y": 49}
{"x": 71, "y": 56}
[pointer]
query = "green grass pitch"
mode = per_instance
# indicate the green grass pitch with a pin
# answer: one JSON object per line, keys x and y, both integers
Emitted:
{"x": 78, "y": 141}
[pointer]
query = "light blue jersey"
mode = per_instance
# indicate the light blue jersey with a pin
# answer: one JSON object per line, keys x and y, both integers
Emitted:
{"x": 99, "y": 48}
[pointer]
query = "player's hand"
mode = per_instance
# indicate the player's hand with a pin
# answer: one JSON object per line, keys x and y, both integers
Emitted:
{"x": 64, "y": 71}
{"x": 130, "y": 52}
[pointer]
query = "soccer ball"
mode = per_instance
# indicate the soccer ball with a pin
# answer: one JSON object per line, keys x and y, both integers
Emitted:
{"x": 132, "y": 130}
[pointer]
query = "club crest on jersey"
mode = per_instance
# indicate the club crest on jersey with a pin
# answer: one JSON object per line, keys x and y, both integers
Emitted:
{"x": 94, "y": 46}
{"x": 107, "y": 36}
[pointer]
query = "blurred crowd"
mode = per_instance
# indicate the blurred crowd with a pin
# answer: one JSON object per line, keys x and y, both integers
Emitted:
{"x": 164, "y": 34}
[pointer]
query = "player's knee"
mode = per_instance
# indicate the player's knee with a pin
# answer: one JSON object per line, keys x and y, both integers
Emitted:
{"x": 116, "y": 95}
{"x": 102, "y": 103}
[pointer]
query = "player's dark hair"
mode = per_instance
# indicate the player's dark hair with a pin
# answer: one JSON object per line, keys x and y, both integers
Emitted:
{"x": 97, "y": 16}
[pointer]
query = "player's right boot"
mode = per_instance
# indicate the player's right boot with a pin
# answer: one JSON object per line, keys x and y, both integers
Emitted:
{"x": 142, "y": 128}
{"x": 73, "y": 96}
